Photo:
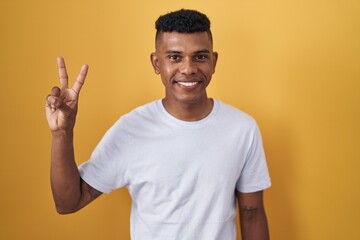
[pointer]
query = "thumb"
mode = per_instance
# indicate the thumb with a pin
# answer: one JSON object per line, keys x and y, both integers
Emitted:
{"x": 55, "y": 103}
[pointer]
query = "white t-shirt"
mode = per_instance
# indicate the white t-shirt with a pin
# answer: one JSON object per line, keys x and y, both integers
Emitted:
{"x": 181, "y": 176}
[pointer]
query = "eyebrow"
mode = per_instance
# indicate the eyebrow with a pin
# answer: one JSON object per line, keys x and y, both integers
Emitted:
{"x": 203, "y": 51}
{"x": 197, "y": 52}
{"x": 172, "y": 51}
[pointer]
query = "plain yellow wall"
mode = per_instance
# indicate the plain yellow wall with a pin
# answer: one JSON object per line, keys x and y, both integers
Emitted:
{"x": 293, "y": 65}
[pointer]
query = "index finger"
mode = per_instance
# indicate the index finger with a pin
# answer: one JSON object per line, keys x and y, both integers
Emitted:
{"x": 80, "y": 79}
{"x": 62, "y": 72}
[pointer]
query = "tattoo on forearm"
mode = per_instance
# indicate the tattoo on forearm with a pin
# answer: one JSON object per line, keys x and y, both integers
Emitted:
{"x": 249, "y": 210}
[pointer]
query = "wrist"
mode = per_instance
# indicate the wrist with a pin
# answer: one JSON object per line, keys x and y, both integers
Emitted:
{"x": 62, "y": 133}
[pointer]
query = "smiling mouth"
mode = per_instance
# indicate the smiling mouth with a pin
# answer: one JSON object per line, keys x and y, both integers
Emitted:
{"x": 187, "y": 84}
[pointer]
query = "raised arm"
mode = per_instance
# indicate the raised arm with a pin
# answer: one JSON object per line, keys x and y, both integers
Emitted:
{"x": 253, "y": 220}
{"x": 70, "y": 192}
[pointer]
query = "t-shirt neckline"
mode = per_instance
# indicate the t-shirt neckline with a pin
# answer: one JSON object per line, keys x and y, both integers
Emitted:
{"x": 168, "y": 117}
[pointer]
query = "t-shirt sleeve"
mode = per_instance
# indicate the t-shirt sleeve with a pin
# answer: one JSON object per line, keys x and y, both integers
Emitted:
{"x": 106, "y": 169}
{"x": 254, "y": 175}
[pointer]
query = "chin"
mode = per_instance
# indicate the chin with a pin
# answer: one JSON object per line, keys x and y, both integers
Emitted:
{"x": 191, "y": 99}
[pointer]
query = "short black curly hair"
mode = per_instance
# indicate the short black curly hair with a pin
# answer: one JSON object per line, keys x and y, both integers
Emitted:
{"x": 183, "y": 21}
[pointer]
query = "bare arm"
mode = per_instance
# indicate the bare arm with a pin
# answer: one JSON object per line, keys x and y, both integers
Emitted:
{"x": 253, "y": 220}
{"x": 70, "y": 192}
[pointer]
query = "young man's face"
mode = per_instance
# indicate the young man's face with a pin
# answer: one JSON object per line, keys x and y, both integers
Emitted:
{"x": 186, "y": 63}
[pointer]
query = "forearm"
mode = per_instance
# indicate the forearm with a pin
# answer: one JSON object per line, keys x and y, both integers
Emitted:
{"x": 254, "y": 224}
{"x": 64, "y": 174}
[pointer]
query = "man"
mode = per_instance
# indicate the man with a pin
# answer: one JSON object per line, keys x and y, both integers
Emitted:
{"x": 184, "y": 159}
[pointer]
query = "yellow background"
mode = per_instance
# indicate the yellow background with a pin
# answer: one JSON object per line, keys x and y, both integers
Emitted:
{"x": 293, "y": 65}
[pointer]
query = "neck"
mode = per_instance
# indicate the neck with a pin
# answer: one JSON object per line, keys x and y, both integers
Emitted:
{"x": 189, "y": 111}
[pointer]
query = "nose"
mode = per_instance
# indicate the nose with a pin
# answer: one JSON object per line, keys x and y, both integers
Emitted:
{"x": 188, "y": 67}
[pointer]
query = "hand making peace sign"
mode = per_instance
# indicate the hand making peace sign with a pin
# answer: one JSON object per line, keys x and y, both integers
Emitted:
{"x": 62, "y": 103}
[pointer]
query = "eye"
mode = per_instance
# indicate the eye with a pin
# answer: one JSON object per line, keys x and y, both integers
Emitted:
{"x": 174, "y": 57}
{"x": 201, "y": 57}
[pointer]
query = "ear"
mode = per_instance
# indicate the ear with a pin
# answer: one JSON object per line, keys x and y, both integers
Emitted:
{"x": 155, "y": 62}
{"x": 214, "y": 59}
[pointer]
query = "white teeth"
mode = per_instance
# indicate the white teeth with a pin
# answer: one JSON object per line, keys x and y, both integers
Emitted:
{"x": 187, "y": 84}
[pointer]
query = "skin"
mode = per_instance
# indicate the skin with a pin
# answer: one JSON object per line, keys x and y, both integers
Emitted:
{"x": 186, "y": 58}
{"x": 186, "y": 63}
{"x": 70, "y": 192}
{"x": 253, "y": 221}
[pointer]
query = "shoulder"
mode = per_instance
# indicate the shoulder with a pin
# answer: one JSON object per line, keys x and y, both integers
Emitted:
{"x": 233, "y": 115}
{"x": 133, "y": 121}
{"x": 140, "y": 116}
{"x": 145, "y": 112}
